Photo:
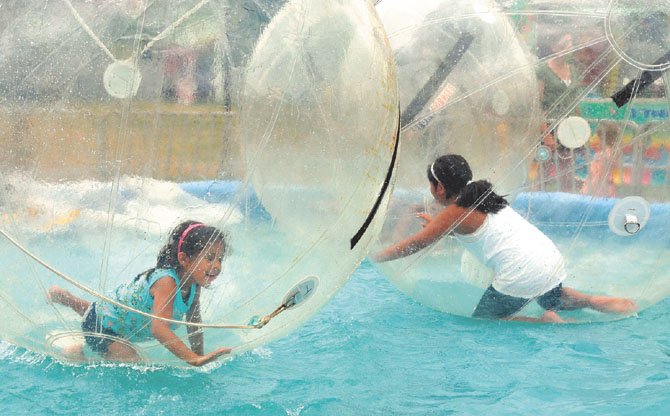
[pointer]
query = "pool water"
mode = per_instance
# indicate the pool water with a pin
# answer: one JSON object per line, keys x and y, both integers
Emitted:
{"x": 374, "y": 351}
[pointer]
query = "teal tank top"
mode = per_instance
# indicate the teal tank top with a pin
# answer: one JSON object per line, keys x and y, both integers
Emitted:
{"x": 131, "y": 325}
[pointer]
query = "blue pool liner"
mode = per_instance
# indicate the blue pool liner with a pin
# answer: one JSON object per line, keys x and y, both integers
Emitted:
{"x": 565, "y": 214}
{"x": 229, "y": 192}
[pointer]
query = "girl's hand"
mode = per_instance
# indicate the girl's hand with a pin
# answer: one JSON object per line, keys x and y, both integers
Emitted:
{"x": 426, "y": 217}
{"x": 208, "y": 358}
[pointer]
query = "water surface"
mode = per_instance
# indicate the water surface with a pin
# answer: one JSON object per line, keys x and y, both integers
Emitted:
{"x": 374, "y": 351}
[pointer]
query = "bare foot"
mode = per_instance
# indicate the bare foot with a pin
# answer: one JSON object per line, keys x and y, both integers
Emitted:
{"x": 552, "y": 317}
{"x": 63, "y": 297}
{"x": 626, "y": 306}
{"x": 621, "y": 306}
{"x": 59, "y": 295}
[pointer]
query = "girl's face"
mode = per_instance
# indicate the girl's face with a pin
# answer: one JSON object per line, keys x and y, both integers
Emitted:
{"x": 437, "y": 191}
{"x": 440, "y": 194}
{"x": 433, "y": 189}
{"x": 204, "y": 268}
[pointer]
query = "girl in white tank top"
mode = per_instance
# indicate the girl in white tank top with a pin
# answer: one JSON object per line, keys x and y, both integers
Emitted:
{"x": 527, "y": 265}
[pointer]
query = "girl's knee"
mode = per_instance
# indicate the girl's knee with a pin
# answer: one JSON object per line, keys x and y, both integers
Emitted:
{"x": 119, "y": 351}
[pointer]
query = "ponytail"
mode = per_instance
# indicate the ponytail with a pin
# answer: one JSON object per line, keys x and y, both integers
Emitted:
{"x": 480, "y": 195}
{"x": 454, "y": 174}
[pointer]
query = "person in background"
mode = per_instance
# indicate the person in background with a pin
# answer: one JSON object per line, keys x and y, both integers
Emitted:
{"x": 600, "y": 179}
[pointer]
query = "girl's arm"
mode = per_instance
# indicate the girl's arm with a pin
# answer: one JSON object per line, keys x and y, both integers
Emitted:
{"x": 195, "y": 335}
{"x": 163, "y": 291}
{"x": 431, "y": 232}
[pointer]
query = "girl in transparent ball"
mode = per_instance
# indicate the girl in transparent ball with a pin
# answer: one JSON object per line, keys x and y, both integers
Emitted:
{"x": 190, "y": 260}
{"x": 527, "y": 265}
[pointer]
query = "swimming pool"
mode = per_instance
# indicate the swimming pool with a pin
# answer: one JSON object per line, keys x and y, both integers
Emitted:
{"x": 372, "y": 350}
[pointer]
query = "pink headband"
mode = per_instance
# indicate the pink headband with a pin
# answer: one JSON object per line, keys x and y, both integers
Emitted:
{"x": 185, "y": 233}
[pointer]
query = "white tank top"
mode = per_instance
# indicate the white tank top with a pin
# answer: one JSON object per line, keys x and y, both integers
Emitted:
{"x": 525, "y": 262}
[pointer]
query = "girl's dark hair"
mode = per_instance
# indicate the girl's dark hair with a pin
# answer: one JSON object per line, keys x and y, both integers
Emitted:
{"x": 454, "y": 173}
{"x": 192, "y": 243}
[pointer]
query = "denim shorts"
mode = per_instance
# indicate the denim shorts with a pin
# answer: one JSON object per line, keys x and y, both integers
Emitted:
{"x": 91, "y": 325}
{"x": 496, "y": 305}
